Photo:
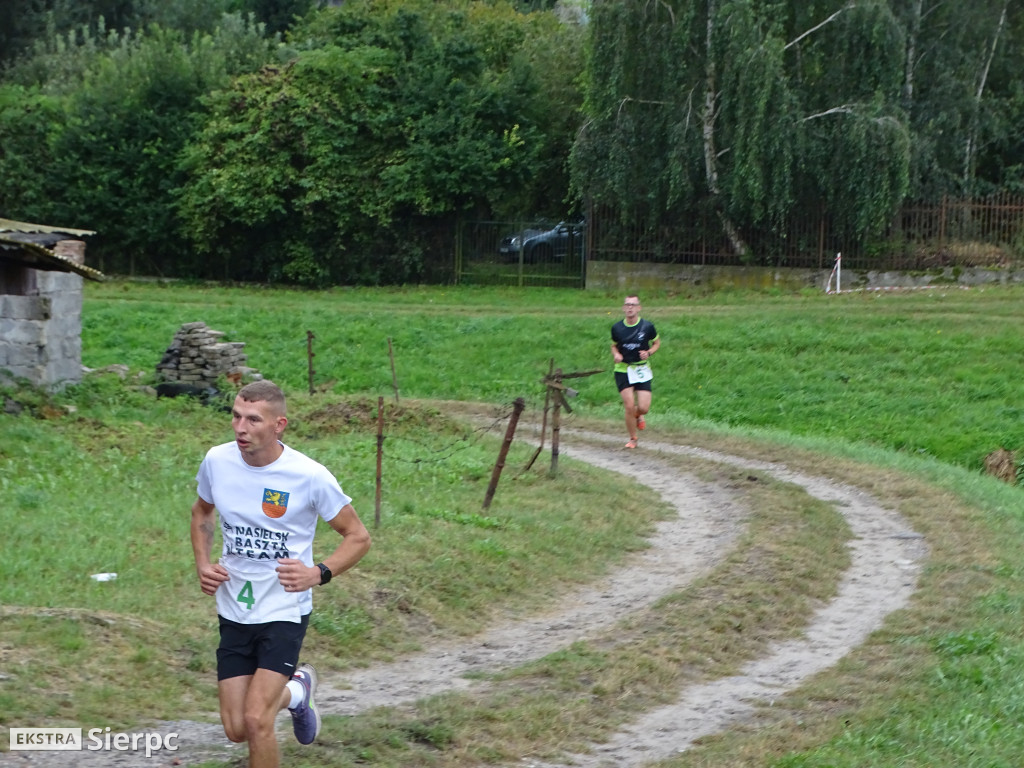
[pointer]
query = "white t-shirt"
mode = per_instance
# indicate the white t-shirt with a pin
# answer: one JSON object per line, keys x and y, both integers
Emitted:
{"x": 266, "y": 513}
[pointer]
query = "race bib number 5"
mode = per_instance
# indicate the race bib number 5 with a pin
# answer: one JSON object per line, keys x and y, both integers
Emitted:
{"x": 639, "y": 373}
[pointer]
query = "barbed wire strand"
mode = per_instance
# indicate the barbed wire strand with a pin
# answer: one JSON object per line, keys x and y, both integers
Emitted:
{"x": 449, "y": 450}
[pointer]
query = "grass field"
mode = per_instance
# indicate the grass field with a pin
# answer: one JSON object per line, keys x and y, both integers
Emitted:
{"x": 900, "y": 393}
{"x": 924, "y": 372}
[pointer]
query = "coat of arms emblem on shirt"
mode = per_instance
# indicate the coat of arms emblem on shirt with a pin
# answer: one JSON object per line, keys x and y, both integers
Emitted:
{"x": 275, "y": 503}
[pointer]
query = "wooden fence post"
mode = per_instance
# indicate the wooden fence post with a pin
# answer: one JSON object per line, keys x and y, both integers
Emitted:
{"x": 517, "y": 409}
{"x": 559, "y": 392}
{"x": 544, "y": 417}
{"x": 310, "y": 354}
{"x": 556, "y": 427}
{"x": 394, "y": 376}
{"x": 380, "y": 454}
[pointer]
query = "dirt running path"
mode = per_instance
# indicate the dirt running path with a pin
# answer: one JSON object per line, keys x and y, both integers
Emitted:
{"x": 681, "y": 549}
{"x": 885, "y": 558}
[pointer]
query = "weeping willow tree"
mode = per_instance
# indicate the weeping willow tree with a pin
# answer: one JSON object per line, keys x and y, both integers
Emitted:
{"x": 748, "y": 108}
{"x": 642, "y": 108}
{"x": 962, "y": 92}
{"x": 850, "y": 69}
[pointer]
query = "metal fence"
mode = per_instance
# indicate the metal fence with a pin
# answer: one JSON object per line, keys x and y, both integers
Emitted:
{"x": 966, "y": 232}
{"x": 515, "y": 253}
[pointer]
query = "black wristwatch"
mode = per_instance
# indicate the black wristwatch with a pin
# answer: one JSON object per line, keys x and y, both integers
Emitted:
{"x": 325, "y": 573}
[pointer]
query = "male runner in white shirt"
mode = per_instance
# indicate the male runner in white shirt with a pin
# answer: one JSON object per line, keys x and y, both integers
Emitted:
{"x": 268, "y": 497}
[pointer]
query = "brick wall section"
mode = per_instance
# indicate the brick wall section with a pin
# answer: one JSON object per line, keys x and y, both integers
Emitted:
{"x": 197, "y": 356}
{"x": 41, "y": 334}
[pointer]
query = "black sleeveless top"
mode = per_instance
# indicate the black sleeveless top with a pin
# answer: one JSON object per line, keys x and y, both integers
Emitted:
{"x": 630, "y": 339}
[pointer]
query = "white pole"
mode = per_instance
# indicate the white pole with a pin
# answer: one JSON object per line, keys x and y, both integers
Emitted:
{"x": 839, "y": 271}
{"x": 834, "y": 273}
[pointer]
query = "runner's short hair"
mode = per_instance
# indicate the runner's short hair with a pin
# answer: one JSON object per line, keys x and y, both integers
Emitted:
{"x": 263, "y": 390}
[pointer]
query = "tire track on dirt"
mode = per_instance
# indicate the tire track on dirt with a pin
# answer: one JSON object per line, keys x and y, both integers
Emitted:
{"x": 681, "y": 549}
{"x": 886, "y": 556}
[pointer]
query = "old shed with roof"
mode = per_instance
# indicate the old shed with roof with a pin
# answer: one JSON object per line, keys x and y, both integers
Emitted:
{"x": 41, "y": 274}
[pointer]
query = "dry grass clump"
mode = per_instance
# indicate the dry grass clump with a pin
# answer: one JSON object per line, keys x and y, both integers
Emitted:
{"x": 965, "y": 254}
{"x": 360, "y": 414}
{"x": 1002, "y": 463}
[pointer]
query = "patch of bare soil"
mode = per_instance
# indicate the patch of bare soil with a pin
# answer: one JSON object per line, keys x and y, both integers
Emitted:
{"x": 885, "y": 553}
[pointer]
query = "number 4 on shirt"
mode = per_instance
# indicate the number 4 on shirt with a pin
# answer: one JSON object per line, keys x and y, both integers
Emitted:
{"x": 246, "y": 596}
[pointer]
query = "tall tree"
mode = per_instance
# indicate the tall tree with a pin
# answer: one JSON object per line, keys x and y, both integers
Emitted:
{"x": 745, "y": 107}
{"x": 109, "y": 138}
{"x": 961, "y": 93}
{"x": 971, "y": 142}
{"x": 394, "y": 114}
{"x": 848, "y": 66}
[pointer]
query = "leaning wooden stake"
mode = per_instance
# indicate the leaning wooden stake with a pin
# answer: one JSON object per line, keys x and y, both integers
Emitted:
{"x": 380, "y": 454}
{"x": 394, "y": 376}
{"x": 544, "y": 418}
{"x": 517, "y": 409}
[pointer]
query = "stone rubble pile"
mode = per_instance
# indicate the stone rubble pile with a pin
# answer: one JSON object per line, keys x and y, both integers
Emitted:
{"x": 197, "y": 356}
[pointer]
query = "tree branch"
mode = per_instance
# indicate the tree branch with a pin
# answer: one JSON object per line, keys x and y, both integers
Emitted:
{"x": 847, "y": 7}
{"x": 668, "y": 8}
{"x": 642, "y": 101}
{"x": 845, "y": 109}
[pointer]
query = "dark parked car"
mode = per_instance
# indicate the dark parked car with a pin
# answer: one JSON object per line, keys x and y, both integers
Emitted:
{"x": 544, "y": 244}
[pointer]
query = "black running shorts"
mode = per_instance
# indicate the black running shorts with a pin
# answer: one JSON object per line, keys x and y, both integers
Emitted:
{"x": 244, "y": 648}
{"x": 622, "y": 382}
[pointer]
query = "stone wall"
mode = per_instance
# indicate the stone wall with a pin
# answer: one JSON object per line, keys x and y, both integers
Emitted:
{"x": 41, "y": 334}
{"x": 197, "y": 356}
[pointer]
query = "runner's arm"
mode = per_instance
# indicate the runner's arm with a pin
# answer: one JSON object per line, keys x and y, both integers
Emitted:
{"x": 210, "y": 574}
{"x": 295, "y": 576}
{"x": 655, "y": 346}
{"x": 355, "y": 540}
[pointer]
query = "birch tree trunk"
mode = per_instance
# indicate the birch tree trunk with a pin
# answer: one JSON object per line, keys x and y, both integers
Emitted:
{"x": 739, "y": 246}
{"x": 972, "y": 135}
{"x": 912, "y": 37}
